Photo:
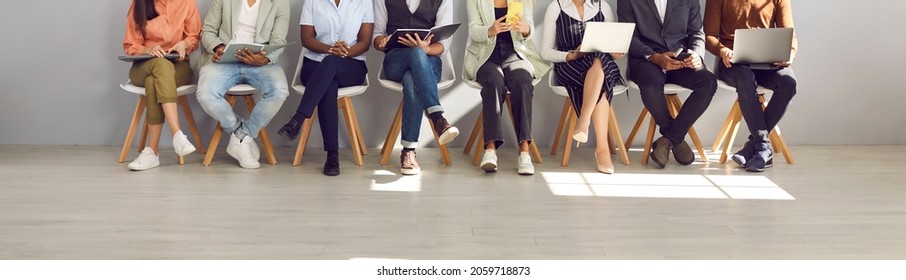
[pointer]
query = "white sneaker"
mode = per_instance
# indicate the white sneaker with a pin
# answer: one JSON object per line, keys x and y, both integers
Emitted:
{"x": 181, "y": 144}
{"x": 243, "y": 151}
{"x": 489, "y": 161}
{"x": 524, "y": 165}
{"x": 146, "y": 160}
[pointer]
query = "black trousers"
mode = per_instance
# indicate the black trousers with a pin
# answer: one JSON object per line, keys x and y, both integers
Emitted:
{"x": 746, "y": 80}
{"x": 322, "y": 81}
{"x": 497, "y": 77}
{"x": 651, "y": 79}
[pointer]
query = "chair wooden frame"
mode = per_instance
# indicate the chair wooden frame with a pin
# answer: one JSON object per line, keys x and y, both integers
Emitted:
{"x": 344, "y": 103}
{"x": 674, "y": 105}
{"x": 447, "y": 80}
{"x": 568, "y": 122}
{"x": 246, "y": 92}
{"x": 727, "y": 134}
{"x": 140, "y": 108}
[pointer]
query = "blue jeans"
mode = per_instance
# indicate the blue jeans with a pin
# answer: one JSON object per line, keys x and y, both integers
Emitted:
{"x": 214, "y": 81}
{"x": 419, "y": 74}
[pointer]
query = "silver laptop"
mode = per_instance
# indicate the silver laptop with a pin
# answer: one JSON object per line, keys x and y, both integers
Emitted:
{"x": 607, "y": 37}
{"x": 761, "y": 48}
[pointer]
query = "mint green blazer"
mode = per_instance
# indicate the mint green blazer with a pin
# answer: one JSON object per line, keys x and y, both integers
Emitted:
{"x": 273, "y": 23}
{"x": 480, "y": 47}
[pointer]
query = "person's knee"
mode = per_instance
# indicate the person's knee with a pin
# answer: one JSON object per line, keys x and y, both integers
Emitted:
{"x": 707, "y": 83}
{"x": 331, "y": 59}
{"x": 787, "y": 84}
{"x": 418, "y": 55}
{"x": 162, "y": 66}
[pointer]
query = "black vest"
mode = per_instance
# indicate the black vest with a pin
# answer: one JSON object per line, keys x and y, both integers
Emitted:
{"x": 399, "y": 17}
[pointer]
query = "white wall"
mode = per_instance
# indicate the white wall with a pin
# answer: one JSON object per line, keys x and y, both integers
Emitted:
{"x": 60, "y": 79}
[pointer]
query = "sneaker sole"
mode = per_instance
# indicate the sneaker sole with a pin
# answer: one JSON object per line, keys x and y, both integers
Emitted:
{"x": 145, "y": 168}
{"x": 410, "y": 171}
{"x": 525, "y": 172}
{"x": 658, "y": 163}
{"x": 489, "y": 167}
{"x": 185, "y": 153}
{"x": 448, "y": 136}
{"x": 738, "y": 161}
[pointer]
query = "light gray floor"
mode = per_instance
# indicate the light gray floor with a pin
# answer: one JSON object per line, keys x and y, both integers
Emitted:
{"x": 78, "y": 203}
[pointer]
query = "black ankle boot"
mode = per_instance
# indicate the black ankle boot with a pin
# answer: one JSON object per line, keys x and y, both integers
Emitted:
{"x": 291, "y": 129}
{"x": 332, "y": 165}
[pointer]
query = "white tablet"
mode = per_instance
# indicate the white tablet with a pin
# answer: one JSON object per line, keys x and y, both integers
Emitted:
{"x": 229, "y": 53}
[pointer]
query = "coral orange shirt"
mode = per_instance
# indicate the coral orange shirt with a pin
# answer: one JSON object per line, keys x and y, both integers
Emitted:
{"x": 177, "y": 20}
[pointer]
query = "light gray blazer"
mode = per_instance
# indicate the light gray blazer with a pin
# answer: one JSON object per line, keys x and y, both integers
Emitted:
{"x": 481, "y": 17}
{"x": 273, "y": 23}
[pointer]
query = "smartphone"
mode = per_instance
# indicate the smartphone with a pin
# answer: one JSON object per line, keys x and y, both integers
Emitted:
{"x": 682, "y": 55}
{"x": 514, "y": 11}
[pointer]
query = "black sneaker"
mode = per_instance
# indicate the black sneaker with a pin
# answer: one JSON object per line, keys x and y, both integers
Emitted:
{"x": 332, "y": 165}
{"x": 291, "y": 129}
{"x": 446, "y": 133}
{"x": 763, "y": 155}
{"x": 660, "y": 151}
{"x": 744, "y": 154}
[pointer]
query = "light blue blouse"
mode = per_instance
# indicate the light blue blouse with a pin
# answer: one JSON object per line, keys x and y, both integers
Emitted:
{"x": 334, "y": 23}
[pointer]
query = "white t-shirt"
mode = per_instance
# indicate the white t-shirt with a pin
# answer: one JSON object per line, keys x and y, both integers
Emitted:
{"x": 246, "y": 28}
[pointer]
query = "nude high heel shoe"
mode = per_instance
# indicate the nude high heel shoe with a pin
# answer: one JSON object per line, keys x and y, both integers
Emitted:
{"x": 603, "y": 169}
{"x": 580, "y": 137}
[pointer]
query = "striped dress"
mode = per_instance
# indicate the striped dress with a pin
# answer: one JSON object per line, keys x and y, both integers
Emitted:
{"x": 571, "y": 74}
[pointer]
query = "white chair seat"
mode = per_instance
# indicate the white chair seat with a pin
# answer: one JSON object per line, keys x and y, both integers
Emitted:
{"x": 341, "y": 93}
{"x": 668, "y": 88}
{"x": 242, "y": 89}
{"x": 759, "y": 90}
{"x": 561, "y": 91}
{"x": 180, "y": 91}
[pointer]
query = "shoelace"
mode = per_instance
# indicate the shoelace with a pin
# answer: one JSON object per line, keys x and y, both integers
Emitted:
{"x": 409, "y": 158}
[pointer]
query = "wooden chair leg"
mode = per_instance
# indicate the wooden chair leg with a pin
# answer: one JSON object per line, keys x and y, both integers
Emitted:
{"x": 479, "y": 149}
{"x": 777, "y": 138}
{"x": 215, "y": 137}
{"x": 193, "y": 126}
{"x": 350, "y": 130}
{"x": 303, "y": 138}
{"x": 533, "y": 149}
{"x": 568, "y": 141}
{"x": 724, "y": 130}
{"x": 783, "y": 147}
{"x": 731, "y": 136}
{"x": 614, "y": 132}
{"x": 360, "y": 138}
{"x": 474, "y": 135}
{"x": 651, "y": 125}
{"x": 564, "y": 115}
{"x": 265, "y": 139}
{"x": 444, "y": 151}
{"x": 610, "y": 145}
{"x": 395, "y": 127}
{"x": 133, "y": 125}
{"x": 635, "y": 128}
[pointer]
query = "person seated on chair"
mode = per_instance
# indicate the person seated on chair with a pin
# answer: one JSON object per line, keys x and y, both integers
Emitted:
{"x": 722, "y": 18}
{"x": 416, "y": 65}
{"x": 587, "y": 77}
{"x": 256, "y": 21}
{"x": 158, "y": 27}
{"x": 661, "y": 35}
{"x": 502, "y": 58}
{"x": 336, "y": 39}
